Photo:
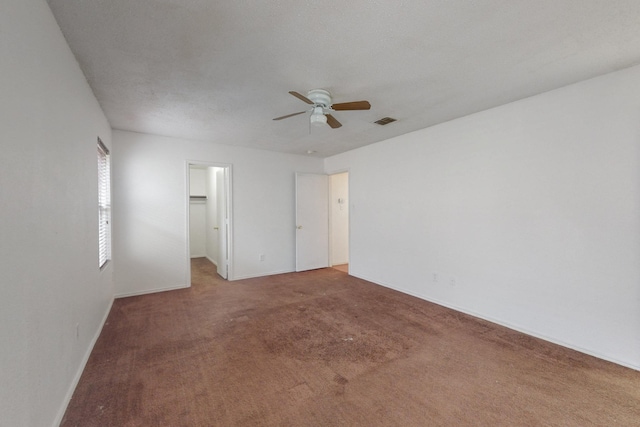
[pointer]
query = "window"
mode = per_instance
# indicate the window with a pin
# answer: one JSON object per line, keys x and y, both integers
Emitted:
{"x": 104, "y": 205}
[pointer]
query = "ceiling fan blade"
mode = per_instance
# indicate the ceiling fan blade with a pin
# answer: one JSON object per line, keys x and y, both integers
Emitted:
{"x": 355, "y": 105}
{"x": 289, "y": 115}
{"x": 331, "y": 121}
{"x": 301, "y": 97}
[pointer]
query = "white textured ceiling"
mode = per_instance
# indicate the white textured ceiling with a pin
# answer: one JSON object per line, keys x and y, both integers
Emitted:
{"x": 220, "y": 71}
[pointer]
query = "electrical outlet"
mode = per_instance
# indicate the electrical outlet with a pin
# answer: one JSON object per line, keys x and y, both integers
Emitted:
{"x": 452, "y": 281}
{"x": 435, "y": 277}
{"x": 261, "y": 257}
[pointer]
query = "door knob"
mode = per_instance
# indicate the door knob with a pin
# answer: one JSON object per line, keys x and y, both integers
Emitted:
{"x": 299, "y": 227}
{"x": 215, "y": 228}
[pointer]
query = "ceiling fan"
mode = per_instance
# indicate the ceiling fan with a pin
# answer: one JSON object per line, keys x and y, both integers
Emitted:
{"x": 322, "y": 106}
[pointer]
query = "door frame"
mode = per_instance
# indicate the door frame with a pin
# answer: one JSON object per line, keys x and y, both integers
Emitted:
{"x": 228, "y": 191}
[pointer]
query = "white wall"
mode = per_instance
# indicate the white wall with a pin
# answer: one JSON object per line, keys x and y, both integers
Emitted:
{"x": 197, "y": 229}
{"x": 527, "y": 214}
{"x": 197, "y": 212}
{"x": 198, "y": 181}
{"x": 49, "y": 124}
{"x": 339, "y": 214}
{"x": 150, "y": 211}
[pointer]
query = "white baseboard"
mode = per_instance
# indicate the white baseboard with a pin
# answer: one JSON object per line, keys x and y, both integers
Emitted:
{"x": 150, "y": 291}
{"x": 83, "y": 363}
{"x": 253, "y": 276}
{"x": 211, "y": 260}
{"x": 505, "y": 324}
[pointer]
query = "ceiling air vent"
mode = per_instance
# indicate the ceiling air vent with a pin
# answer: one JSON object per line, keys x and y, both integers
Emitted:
{"x": 385, "y": 121}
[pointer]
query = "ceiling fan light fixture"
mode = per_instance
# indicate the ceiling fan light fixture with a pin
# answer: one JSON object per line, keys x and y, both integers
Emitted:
{"x": 317, "y": 117}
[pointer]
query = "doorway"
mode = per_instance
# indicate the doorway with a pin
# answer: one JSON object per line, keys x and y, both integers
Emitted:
{"x": 339, "y": 220}
{"x": 322, "y": 221}
{"x": 209, "y": 216}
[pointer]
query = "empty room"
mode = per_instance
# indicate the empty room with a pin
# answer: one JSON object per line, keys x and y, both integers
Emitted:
{"x": 324, "y": 213}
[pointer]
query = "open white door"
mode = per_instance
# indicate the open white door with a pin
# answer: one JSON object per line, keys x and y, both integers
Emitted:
{"x": 312, "y": 221}
{"x": 222, "y": 215}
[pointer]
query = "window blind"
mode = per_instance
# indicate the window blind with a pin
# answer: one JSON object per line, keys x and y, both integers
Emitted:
{"x": 104, "y": 205}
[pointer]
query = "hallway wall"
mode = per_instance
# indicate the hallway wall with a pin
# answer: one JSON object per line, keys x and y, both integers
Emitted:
{"x": 339, "y": 206}
{"x": 197, "y": 213}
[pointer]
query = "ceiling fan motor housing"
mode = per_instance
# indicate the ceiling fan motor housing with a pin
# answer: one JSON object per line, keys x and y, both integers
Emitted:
{"x": 320, "y": 97}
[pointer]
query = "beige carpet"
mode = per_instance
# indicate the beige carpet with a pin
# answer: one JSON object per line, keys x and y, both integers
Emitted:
{"x": 322, "y": 348}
